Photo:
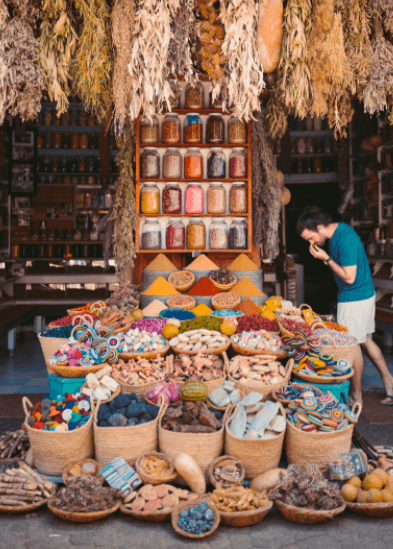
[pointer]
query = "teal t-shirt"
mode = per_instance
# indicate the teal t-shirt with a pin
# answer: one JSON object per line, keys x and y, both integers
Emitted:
{"x": 347, "y": 249}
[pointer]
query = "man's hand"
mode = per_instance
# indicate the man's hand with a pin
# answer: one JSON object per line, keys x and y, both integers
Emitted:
{"x": 318, "y": 253}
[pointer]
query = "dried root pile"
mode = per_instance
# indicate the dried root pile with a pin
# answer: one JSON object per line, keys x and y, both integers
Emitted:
{"x": 20, "y": 486}
{"x": 14, "y": 444}
{"x": 305, "y": 486}
{"x": 85, "y": 495}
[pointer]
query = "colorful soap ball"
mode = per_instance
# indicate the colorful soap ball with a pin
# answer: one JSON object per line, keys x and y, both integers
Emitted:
{"x": 61, "y": 414}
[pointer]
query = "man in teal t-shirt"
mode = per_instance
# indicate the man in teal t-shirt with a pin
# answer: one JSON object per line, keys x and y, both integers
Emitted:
{"x": 356, "y": 294}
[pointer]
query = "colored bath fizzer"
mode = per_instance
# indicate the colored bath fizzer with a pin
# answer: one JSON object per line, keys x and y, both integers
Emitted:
{"x": 249, "y": 308}
{"x": 161, "y": 263}
{"x": 154, "y": 308}
{"x": 246, "y": 288}
{"x": 204, "y": 287}
{"x": 160, "y": 287}
{"x": 242, "y": 263}
{"x": 201, "y": 310}
{"x": 202, "y": 263}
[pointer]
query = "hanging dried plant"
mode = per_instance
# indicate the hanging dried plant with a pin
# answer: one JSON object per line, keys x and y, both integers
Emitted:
{"x": 4, "y": 72}
{"x": 124, "y": 213}
{"x": 123, "y": 23}
{"x": 183, "y": 37}
{"x": 292, "y": 89}
{"x": 57, "y": 47}
{"x": 19, "y": 54}
{"x": 244, "y": 72}
{"x": 384, "y": 10}
{"x": 266, "y": 192}
{"x": 91, "y": 69}
{"x": 381, "y": 79}
{"x": 106, "y": 225}
{"x": 149, "y": 59}
{"x": 210, "y": 35}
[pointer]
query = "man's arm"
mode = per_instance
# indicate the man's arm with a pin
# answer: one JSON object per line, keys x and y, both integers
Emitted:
{"x": 347, "y": 274}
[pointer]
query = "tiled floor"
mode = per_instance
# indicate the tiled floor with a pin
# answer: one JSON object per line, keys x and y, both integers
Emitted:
{"x": 25, "y": 372}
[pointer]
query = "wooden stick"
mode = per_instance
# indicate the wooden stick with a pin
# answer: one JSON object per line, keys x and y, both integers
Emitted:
{"x": 15, "y": 492}
{"x": 17, "y": 441}
{"x": 20, "y": 486}
{"x": 13, "y": 502}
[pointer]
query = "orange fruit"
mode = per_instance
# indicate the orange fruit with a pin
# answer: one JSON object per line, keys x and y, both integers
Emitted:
{"x": 372, "y": 481}
{"x": 382, "y": 474}
{"x": 349, "y": 492}
{"x": 374, "y": 496}
{"x": 355, "y": 481}
{"x": 362, "y": 496}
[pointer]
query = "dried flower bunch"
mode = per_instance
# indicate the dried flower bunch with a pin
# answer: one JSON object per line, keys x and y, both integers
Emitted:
{"x": 384, "y": 10}
{"x": 182, "y": 41}
{"x": 57, "y": 47}
{"x": 21, "y": 78}
{"x": 150, "y": 88}
{"x": 210, "y": 33}
{"x": 243, "y": 72}
{"x": 123, "y": 23}
{"x": 91, "y": 69}
{"x": 124, "y": 208}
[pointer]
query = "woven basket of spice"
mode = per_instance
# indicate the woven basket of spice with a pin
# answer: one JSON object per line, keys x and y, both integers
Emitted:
{"x": 223, "y": 279}
{"x": 181, "y": 280}
{"x": 181, "y": 302}
{"x": 155, "y": 468}
{"x": 225, "y": 300}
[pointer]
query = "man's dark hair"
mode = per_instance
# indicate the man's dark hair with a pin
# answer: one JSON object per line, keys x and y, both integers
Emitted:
{"x": 310, "y": 218}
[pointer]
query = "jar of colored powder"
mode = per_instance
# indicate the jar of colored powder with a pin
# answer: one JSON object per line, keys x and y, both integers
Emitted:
{"x": 238, "y": 235}
{"x": 150, "y": 163}
{"x": 171, "y": 132}
{"x": 175, "y": 234}
{"x": 238, "y": 163}
{"x": 149, "y": 130}
{"x": 193, "y": 164}
{"x": 218, "y": 235}
{"x": 171, "y": 164}
{"x": 196, "y": 234}
{"x": 216, "y": 164}
{"x": 171, "y": 199}
{"x": 216, "y": 199}
{"x": 238, "y": 198}
{"x": 193, "y": 201}
{"x": 192, "y": 128}
{"x": 150, "y": 199}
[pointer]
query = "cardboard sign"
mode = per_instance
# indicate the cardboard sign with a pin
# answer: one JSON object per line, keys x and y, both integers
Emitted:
{"x": 274, "y": 303}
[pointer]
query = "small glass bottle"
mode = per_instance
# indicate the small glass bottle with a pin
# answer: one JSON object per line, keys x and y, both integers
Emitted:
{"x": 149, "y": 130}
{"x": 48, "y": 140}
{"x": 218, "y": 235}
{"x": 150, "y": 163}
{"x": 238, "y": 235}
{"x": 309, "y": 145}
{"x": 237, "y": 131}
{"x": 216, "y": 199}
{"x": 75, "y": 140}
{"x": 317, "y": 165}
{"x": 238, "y": 163}
{"x": 57, "y": 140}
{"x": 172, "y": 164}
{"x": 48, "y": 118}
{"x": 150, "y": 199}
{"x": 66, "y": 140}
{"x": 93, "y": 140}
{"x": 151, "y": 235}
{"x": 171, "y": 129}
{"x": 238, "y": 198}
{"x": 194, "y": 199}
{"x": 194, "y": 96}
{"x": 40, "y": 140}
{"x": 83, "y": 141}
{"x": 216, "y": 164}
{"x": 175, "y": 234}
{"x": 171, "y": 199}
{"x": 192, "y": 129}
{"x": 193, "y": 164}
{"x": 215, "y": 129}
{"x": 81, "y": 166}
{"x": 196, "y": 234}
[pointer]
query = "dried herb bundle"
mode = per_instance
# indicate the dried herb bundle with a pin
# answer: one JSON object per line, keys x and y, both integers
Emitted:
{"x": 244, "y": 72}
{"x": 210, "y": 33}
{"x": 4, "y": 72}
{"x": 148, "y": 66}
{"x": 384, "y": 10}
{"x": 182, "y": 40}
{"x": 266, "y": 192}
{"x": 19, "y": 54}
{"x": 124, "y": 208}
{"x": 123, "y": 22}
{"x": 91, "y": 69}
{"x": 57, "y": 47}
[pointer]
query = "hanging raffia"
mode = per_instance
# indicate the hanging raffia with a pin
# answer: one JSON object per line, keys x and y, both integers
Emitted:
{"x": 150, "y": 87}
{"x": 92, "y": 65}
{"x": 57, "y": 47}
{"x": 384, "y": 10}
{"x": 123, "y": 23}
{"x": 124, "y": 213}
{"x": 183, "y": 37}
{"x": 266, "y": 192}
{"x": 244, "y": 72}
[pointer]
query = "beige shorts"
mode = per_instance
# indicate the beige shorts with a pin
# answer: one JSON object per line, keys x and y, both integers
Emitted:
{"x": 358, "y": 317}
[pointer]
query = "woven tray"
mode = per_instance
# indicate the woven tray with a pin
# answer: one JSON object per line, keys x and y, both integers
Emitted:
{"x": 148, "y": 516}
{"x": 284, "y": 401}
{"x": 219, "y": 307}
{"x": 379, "y": 510}
{"x": 216, "y": 462}
{"x": 190, "y": 306}
{"x": 184, "y": 287}
{"x": 255, "y": 352}
{"x": 216, "y": 351}
{"x": 189, "y": 505}
{"x": 224, "y": 287}
{"x": 75, "y": 371}
{"x": 17, "y": 510}
{"x": 151, "y": 354}
{"x": 148, "y": 479}
{"x": 323, "y": 379}
{"x": 238, "y": 519}
{"x": 66, "y": 477}
{"x": 307, "y": 516}
{"x": 83, "y": 517}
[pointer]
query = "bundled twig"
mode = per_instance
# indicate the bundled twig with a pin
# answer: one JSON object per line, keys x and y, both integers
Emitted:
{"x": 92, "y": 65}
{"x": 14, "y": 444}
{"x": 182, "y": 39}
{"x": 21, "y": 486}
{"x": 123, "y": 22}
{"x": 244, "y": 72}
{"x": 124, "y": 208}
{"x": 266, "y": 192}
{"x": 57, "y": 47}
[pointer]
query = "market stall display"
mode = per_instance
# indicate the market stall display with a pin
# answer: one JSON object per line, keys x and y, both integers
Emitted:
{"x": 323, "y": 368}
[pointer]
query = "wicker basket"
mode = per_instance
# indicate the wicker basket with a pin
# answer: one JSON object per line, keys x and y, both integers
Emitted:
{"x": 224, "y": 287}
{"x": 50, "y": 345}
{"x": 215, "y": 351}
{"x": 53, "y": 451}
{"x": 285, "y": 402}
{"x": 238, "y": 519}
{"x": 203, "y": 447}
{"x": 345, "y": 351}
{"x": 256, "y": 352}
{"x": 149, "y": 355}
{"x": 258, "y": 456}
{"x": 211, "y": 385}
{"x": 378, "y": 510}
{"x": 184, "y": 287}
{"x": 67, "y": 477}
{"x": 216, "y": 462}
{"x": 83, "y": 517}
{"x": 188, "y": 307}
{"x": 19, "y": 509}
{"x": 129, "y": 442}
{"x": 265, "y": 390}
{"x": 148, "y": 516}
{"x": 318, "y": 447}
{"x": 148, "y": 479}
{"x": 322, "y": 379}
{"x": 219, "y": 307}
{"x": 114, "y": 395}
{"x": 75, "y": 371}
{"x": 190, "y": 505}
{"x": 304, "y": 515}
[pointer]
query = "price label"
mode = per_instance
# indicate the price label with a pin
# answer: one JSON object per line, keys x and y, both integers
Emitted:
{"x": 274, "y": 303}
{"x": 307, "y": 315}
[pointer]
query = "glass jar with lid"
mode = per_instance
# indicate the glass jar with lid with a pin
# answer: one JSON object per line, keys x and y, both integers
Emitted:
{"x": 238, "y": 163}
{"x": 216, "y": 164}
{"x": 196, "y": 234}
{"x": 171, "y": 132}
{"x": 175, "y": 234}
{"x": 171, "y": 199}
{"x": 238, "y": 234}
{"x": 150, "y": 163}
{"x": 216, "y": 198}
{"x": 174, "y": 100}
{"x": 194, "y": 96}
{"x": 150, "y": 199}
{"x": 193, "y": 164}
{"x": 192, "y": 128}
{"x": 218, "y": 235}
{"x": 194, "y": 199}
{"x": 172, "y": 164}
{"x": 151, "y": 235}
{"x": 215, "y": 129}
{"x": 238, "y": 198}
{"x": 149, "y": 130}
{"x": 237, "y": 131}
